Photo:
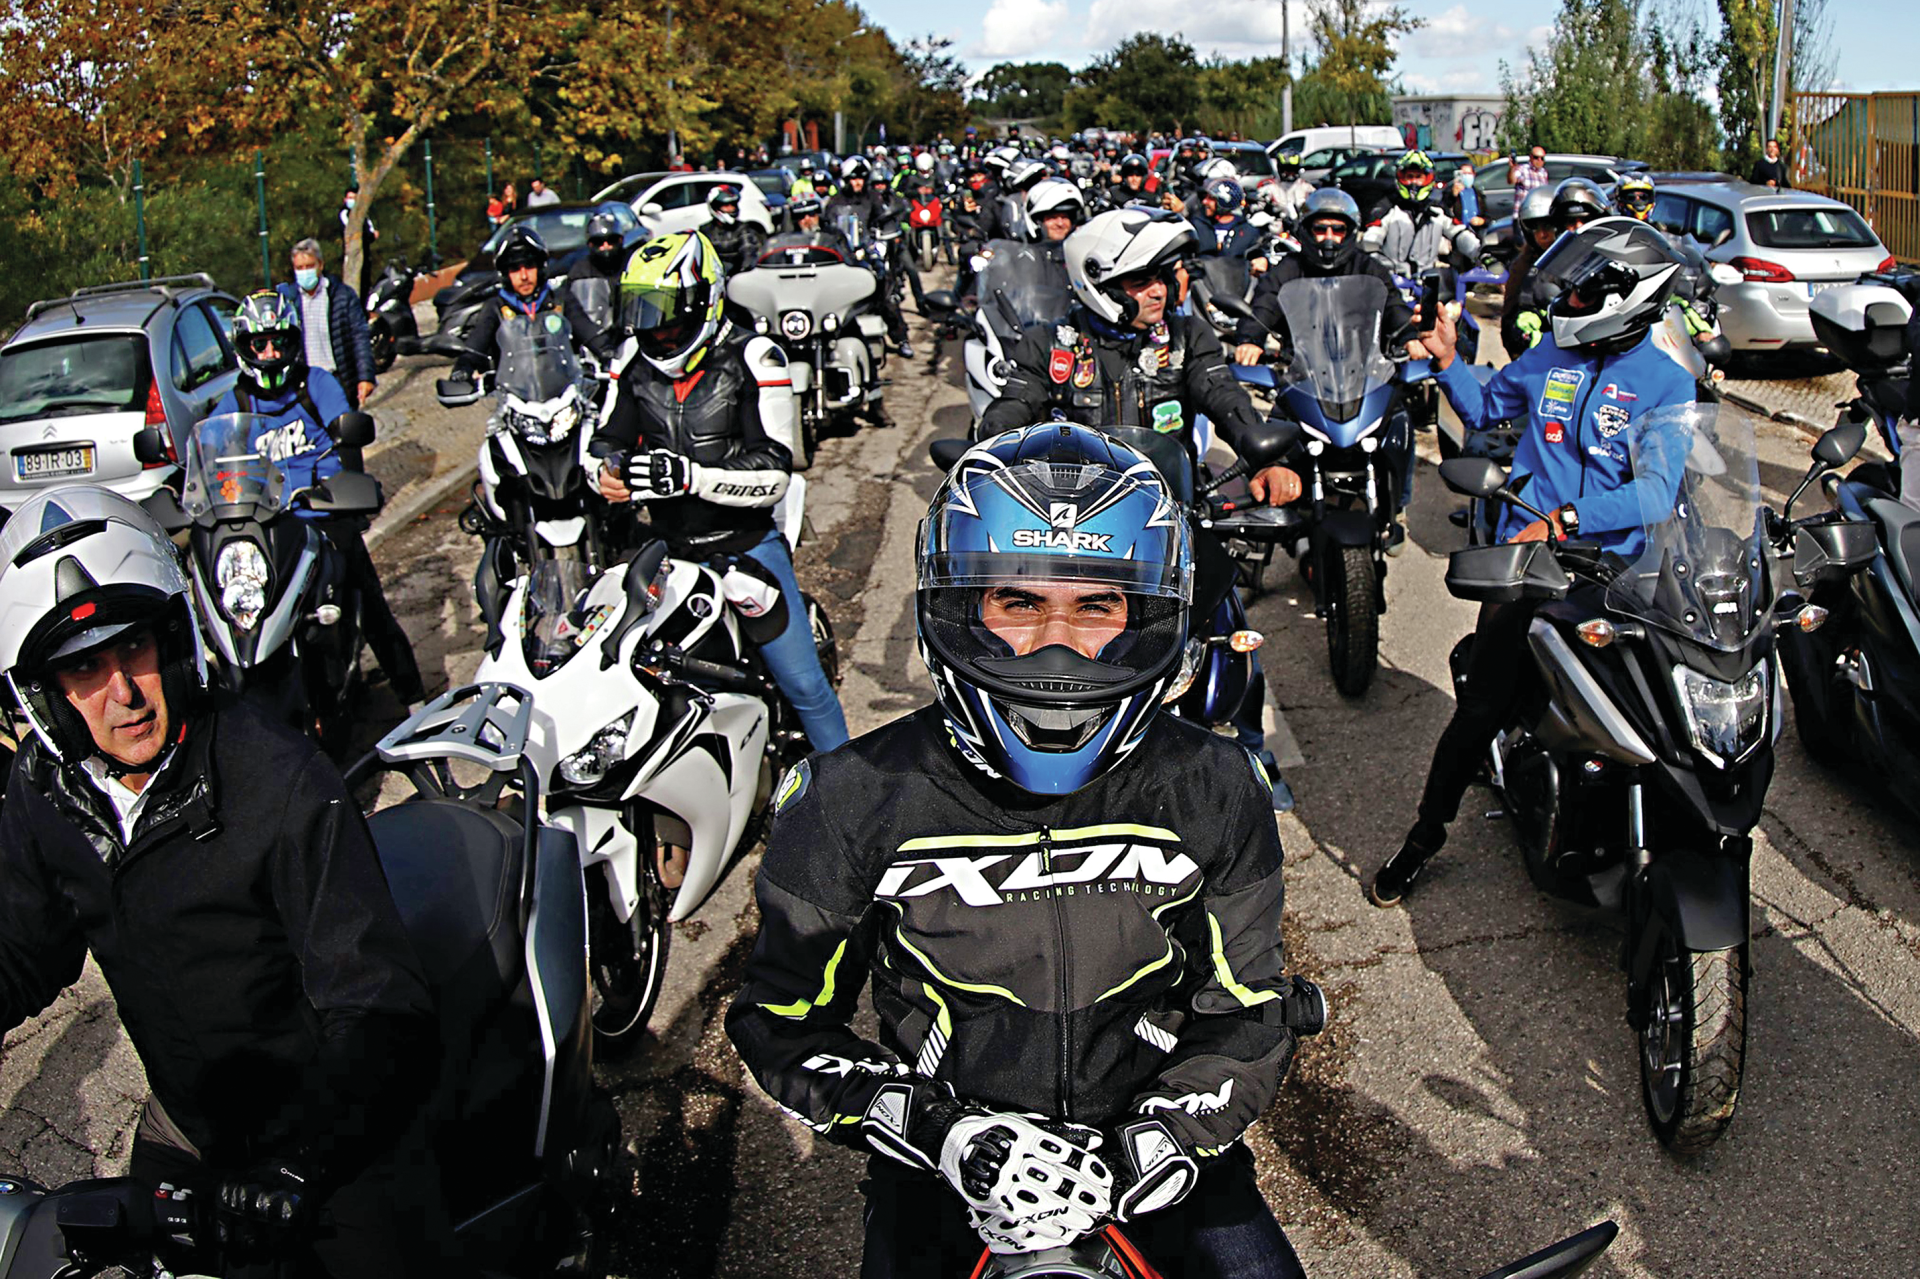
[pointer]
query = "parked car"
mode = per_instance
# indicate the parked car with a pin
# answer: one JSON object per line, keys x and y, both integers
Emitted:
{"x": 1316, "y": 165}
{"x": 88, "y": 372}
{"x": 1369, "y": 179}
{"x": 1250, "y": 159}
{"x": 678, "y": 201}
{"x": 774, "y": 184}
{"x": 1787, "y": 246}
{"x": 563, "y": 228}
{"x": 1374, "y": 137}
{"x": 1495, "y": 189}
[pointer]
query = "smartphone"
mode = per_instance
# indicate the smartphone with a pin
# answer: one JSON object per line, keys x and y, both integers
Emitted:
{"x": 1429, "y": 315}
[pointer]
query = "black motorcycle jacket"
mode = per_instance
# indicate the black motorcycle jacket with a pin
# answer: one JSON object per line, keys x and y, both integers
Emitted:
{"x": 732, "y": 416}
{"x": 1095, "y": 375}
{"x": 596, "y": 289}
{"x": 1526, "y": 295}
{"x": 737, "y": 242}
{"x": 486, "y": 326}
{"x": 1267, "y": 316}
{"x": 246, "y": 929}
{"x": 1086, "y": 957}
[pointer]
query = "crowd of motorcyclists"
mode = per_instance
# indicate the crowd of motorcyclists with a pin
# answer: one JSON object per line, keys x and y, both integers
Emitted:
{"x": 1008, "y": 1097}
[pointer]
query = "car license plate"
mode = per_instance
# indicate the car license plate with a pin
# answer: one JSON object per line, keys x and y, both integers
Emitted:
{"x": 55, "y": 463}
{"x": 1821, "y": 286}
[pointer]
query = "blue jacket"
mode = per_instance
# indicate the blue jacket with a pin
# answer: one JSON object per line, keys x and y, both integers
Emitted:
{"x": 1580, "y": 410}
{"x": 346, "y": 327}
{"x": 298, "y": 444}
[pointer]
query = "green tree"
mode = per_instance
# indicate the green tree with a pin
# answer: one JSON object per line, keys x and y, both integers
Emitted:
{"x": 1350, "y": 80}
{"x": 1146, "y": 82}
{"x": 1746, "y": 77}
{"x": 930, "y": 89}
{"x": 1241, "y": 97}
{"x": 1022, "y": 91}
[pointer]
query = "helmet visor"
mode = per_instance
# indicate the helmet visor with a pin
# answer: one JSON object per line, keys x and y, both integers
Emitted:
{"x": 663, "y": 306}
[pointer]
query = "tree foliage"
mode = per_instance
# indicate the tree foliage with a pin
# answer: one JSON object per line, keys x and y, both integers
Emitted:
{"x": 1350, "y": 80}
{"x": 1147, "y": 81}
{"x": 1022, "y": 91}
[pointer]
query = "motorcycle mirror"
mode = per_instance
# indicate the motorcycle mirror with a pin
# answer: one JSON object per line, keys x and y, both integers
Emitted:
{"x": 1266, "y": 444}
{"x": 454, "y": 393}
{"x": 1236, "y": 307}
{"x": 150, "y": 447}
{"x": 945, "y": 453}
{"x": 1839, "y": 444}
{"x": 651, "y": 210}
{"x": 1716, "y": 350}
{"x": 941, "y": 301}
{"x": 352, "y": 430}
{"x": 1473, "y": 476}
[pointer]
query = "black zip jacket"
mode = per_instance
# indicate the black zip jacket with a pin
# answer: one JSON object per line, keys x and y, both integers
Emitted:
{"x": 1091, "y": 375}
{"x": 486, "y": 327}
{"x": 738, "y": 242}
{"x": 1112, "y": 951}
{"x": 1266, "y": 299}
{"x": 248, "y": 935}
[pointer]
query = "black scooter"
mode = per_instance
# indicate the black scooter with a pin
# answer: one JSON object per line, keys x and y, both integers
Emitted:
{"x": 524, "y": 1140}
{"x": 1638, "y": 757}
{"x": 390, "y": 322}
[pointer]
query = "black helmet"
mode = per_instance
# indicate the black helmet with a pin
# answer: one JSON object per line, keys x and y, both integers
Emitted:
{"x": 1287, "y": 163}
{"x": 521, "y": 247}
{"x": 1328, "y": 204}
{"x": 605, "y": 245}
{"x": 1134, "y": 165}
{"x": 1578, "y": 200}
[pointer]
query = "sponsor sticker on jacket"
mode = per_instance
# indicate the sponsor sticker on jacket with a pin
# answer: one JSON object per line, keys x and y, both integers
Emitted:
{"x": 1060, "y": 365}
{"x": 1167, "y": 417}
{"x": 1611, "y": 419}
{"x": 1556, "y": 397}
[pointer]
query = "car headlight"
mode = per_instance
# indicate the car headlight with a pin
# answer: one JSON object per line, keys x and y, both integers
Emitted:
{"x": 589, "y": 765}
{"x": 1725, "y": 721}
{"x": 242, "y": 576}
{"x": 795, "y": 325}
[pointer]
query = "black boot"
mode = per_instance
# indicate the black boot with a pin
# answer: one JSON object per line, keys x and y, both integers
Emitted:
{"x": 1395, "y": 879}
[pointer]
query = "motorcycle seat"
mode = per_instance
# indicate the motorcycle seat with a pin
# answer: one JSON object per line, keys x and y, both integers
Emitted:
{"x": 1900, "y": 536}
{"x": 455, "y": 872}
{"x": 1885, "y": 396}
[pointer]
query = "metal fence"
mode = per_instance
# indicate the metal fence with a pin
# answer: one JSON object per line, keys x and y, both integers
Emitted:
{"x": 1864, "y": 148}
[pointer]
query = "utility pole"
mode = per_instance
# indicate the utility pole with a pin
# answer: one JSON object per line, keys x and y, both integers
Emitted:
{"x": 1286, "y": 58}
{"x": 673, "y": 134}
{"x": 1782, "y": 65}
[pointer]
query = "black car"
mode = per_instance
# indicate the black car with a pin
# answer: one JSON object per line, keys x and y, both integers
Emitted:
{"x": 774, "y": 183}
{"x": 563, "y": 228}
{"x": 1369, "y": 178}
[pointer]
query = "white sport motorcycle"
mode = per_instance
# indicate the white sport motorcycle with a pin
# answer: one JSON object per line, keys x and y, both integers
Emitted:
{"x": 657, "y": 736}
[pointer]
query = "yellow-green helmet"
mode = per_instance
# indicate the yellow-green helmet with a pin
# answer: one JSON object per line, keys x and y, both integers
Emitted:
{"x": 1414, "y": 179}
{"x": 671, "y": 297}
{"x": 1634, "y": 196}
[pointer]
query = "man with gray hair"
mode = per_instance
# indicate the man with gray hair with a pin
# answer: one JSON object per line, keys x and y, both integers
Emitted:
{"x": 333, "y": 323}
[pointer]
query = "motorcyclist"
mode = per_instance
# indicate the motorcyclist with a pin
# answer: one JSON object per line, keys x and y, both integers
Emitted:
{"x": 522, "y": 262}
{"x": 1047, "y": 1060}
{"x": 1414, "y": 234}
{"x": 1634, "y": 198}
{"x": 703, "y": 431}
{"x": 1574, "y": 203}
{"x": 1293, "y": 189}
{"x": 1594, "y": 375}
{"x": 1222, "y": 227}
{"x": 1054, "y": 208}
{"x": 736, "y": 240}
{"x": 857, "y": 199}
{"x": 219, "y": 872}
{"x": 1136, "y": 184}
{"x": 303, "y": 403}
{"x": 794, "y": 248}
{"x": 594, "y": 279}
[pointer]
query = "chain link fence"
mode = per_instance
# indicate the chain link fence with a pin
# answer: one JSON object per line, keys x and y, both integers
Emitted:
{"x": 1864, "y": 149}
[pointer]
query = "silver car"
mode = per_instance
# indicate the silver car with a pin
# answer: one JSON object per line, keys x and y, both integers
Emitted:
{"x": 85, "y": 374}
{"x": 1786, "y": 245}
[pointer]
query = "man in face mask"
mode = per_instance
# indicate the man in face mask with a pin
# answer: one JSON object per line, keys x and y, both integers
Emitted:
{"x": 333, "y": 323}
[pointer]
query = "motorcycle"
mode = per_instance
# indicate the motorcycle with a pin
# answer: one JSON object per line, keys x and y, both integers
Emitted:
{"x": 657, "y": 737}
{"x": 820, "y": 309}
{"x": 1110, "y": 1254}
{"x": 1636, "y": 762}
{"x": 535, "y": 498}
{"x": 390, "y": 322}
{"x": 926, "y": 222}
{"x": 274, "y": 597}
{"x": 1019, "y": 286}
{"x": 524, "y": 1141}
{"x": 1855, "y": 679}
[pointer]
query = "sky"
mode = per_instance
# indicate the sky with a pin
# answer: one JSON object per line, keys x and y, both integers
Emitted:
{"x": 1458, "y": 51}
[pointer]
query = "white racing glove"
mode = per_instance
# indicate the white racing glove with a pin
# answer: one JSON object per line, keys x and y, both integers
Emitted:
{"x": 1152, "y": 1167}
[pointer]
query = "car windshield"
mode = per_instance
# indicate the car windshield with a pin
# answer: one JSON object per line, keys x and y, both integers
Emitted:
{"x": 98, "y": 373}
{"x": 562, "y": 612}
{"x": 537, "y": 363}
{"x": 773, "y": 183}
{"x": 230, "y": 471}
{"x": 1022, "y": 285}
{"x": 1701, "y": 571}
{"x": 1333, "y": 326}
{"x": 1249, "y": 162}
{"x": 561, "y": 230}
{"x": 1832, "y": 227}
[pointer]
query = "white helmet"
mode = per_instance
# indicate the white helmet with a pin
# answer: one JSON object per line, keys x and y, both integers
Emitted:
{"x": 1023, "y": 174}
{"x": 924, "y": 162}
{"x": 1219, "y": 167}
{"x": 1122, "y": 242}
{"x": 1052, "y": 195}
{"x": 997, "y": 160}
{"x": 79, "y": 565}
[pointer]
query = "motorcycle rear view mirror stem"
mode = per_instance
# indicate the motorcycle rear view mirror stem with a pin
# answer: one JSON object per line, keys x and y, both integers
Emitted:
{"x": 1830, "y": 452}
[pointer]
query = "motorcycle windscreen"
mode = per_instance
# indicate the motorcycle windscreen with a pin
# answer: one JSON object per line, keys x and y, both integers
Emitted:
{"x": 1333, "y": 325}
{"x": 1226, "y": 276}
{"x": 1698, "y": 561}
{"x": 561, "y": 613}
{"x": 1022, "y": 285}
{"x": 537, "y": 363}
{"x": 595, "y": 295}
{"x": 772, "y": 290}
{"x": 797, "y": 248}
{"x": 232, "y": 470}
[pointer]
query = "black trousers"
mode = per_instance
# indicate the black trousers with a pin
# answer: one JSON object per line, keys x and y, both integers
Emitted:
{"x": 917, "y": 1228}
{"x": 385, "y": 636}
{"x": 1494, "y": 681}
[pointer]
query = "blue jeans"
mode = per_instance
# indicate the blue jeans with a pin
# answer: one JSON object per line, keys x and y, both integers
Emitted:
{"x": 792, "y": 658}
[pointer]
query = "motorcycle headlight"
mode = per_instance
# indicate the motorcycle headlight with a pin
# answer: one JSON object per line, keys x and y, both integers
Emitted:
{"x": 1725, "y": 721}
{"x": 795, "y": 325}
{"x": 829, "y": 322}
{"x": 1183, "y": 679}
{"x": 242, "y": 576}
{"x": 564, "y": 421}
{"x": 589, "y": 765}
{"x": 527, "y": 427}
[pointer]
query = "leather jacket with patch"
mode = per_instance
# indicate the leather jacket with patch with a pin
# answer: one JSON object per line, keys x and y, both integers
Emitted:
{"x": 737, "y": 242}
{"x": 1093, "y": 375}
{"x": 732, "y": 415}
{"x": 1086, "y": 956}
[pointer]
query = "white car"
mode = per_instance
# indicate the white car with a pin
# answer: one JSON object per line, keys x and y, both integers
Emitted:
{"x": 678, "y": 201}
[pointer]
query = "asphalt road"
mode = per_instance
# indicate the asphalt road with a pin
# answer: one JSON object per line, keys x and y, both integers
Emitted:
{"x": 1477, "y": 1095}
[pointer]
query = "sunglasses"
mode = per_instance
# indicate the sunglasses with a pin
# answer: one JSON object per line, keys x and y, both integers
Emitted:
{"x": 268, "y": 344}
{"x": 611, "y": 242}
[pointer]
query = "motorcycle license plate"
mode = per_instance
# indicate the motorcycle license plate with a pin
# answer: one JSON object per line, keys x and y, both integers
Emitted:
{"x": 55, "y": 463}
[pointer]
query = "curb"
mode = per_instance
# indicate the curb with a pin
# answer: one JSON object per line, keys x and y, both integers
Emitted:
{"x": 431, "y": 494}
{"x": 1785, "y": 416}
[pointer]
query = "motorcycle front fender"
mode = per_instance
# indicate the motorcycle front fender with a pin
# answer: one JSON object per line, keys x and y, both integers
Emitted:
{"x": 1701, "y": 899}
{"x": 1346, "y": 528}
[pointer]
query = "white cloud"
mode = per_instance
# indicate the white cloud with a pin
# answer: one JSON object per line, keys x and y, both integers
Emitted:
{"x": 1017, "y": 30}
{"x": 1468, "y": 81}
{"x": 1457, "y": 34}
{"x": 1234, "y": 28}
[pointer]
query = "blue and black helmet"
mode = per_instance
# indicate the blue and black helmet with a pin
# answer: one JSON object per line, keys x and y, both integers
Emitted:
{"x": 1054, "y": 577}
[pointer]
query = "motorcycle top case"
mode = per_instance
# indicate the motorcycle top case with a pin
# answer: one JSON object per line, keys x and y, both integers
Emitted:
{"x": 1506, "y": 573}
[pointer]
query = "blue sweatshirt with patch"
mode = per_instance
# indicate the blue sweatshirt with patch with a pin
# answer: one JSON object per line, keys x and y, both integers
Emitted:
{"x": 297, "y": 444}
{"x": 1582, "y": 413}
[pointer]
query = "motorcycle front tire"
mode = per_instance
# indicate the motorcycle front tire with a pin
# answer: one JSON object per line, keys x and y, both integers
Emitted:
{"x": 1353, "y": 620}
{"x": 1694, "y": 1046}
{"x": 627, "y": 959}
{"x": 385, "y": 345}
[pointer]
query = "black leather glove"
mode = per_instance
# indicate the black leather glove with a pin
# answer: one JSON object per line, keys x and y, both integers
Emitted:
{"x": 265, "y": 1209}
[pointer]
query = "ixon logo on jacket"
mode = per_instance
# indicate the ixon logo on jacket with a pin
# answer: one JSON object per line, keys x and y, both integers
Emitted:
{"x": 994, "y": 879}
